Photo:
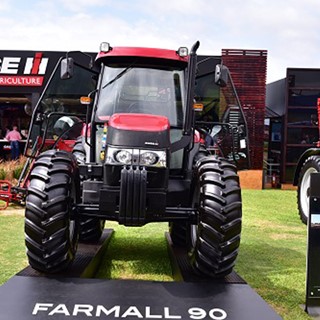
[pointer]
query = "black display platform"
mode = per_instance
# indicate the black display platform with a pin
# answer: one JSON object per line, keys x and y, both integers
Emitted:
{"x": 31, "y": 295}
{"x": 86, "y": 261}
{"x": 74, "y": 298}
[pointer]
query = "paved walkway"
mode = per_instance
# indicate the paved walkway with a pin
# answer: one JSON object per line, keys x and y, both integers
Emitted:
{"x": 12, "y": 210}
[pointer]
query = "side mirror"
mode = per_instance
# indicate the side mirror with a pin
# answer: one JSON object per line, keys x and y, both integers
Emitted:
{"x": 221, "y": 75}
{"x": 66, "y": 68}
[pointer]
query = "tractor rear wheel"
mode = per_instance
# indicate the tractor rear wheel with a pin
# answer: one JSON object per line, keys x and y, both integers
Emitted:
{"x": 90, "y": 228}
{"x": 51, "y": 228}
{"x": 311, "y": 165}
{"x": 215, "y": 239}
{"x": 178, "y": 233}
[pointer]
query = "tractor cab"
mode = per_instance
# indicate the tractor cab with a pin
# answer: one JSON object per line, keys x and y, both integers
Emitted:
{"x": 140, "y": 81}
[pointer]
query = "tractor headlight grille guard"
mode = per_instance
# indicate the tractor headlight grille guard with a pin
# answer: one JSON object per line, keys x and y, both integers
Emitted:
{"x": 148, "y": 158}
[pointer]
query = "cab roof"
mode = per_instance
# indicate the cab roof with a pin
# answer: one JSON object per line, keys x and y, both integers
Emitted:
{"x": 142, "y": 52}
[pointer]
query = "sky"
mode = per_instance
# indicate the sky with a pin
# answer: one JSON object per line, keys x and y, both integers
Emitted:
{"x": 288, "y": 29}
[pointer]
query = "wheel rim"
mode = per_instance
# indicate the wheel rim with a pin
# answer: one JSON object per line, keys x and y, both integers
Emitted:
{"x": 305, "y": 191}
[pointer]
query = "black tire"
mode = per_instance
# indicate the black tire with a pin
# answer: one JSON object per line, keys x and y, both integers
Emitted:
{"x": 179, "y": 231}
{"x": 217, "y": 199}
{"x": 91, "y": 229}
{"x": 311, "y": 165}
{"x": 51, "y": 229}
{"x": 203, "y": 152}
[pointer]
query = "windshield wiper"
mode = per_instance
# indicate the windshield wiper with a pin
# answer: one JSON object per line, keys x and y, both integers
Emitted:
{"x": 119, "y": 75}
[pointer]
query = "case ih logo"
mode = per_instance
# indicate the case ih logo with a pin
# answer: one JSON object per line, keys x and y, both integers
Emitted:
{"x": 28, "y": 73}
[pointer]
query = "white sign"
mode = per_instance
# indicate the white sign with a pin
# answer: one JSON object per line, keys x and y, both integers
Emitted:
{"x": 121, "y": 312}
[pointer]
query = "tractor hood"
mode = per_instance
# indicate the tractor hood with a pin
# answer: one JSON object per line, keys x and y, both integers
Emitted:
{"x": 139, "y": 130}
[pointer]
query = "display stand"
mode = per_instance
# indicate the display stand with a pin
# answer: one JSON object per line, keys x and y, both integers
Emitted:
{"x": 41, "y": 297}
{"x": 312, "y": 306}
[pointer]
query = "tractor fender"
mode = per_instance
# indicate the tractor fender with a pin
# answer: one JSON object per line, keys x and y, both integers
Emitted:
{"x": 302, "y": 159}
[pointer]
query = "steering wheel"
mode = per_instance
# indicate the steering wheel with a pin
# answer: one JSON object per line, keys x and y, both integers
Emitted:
{"x": 142, "y": 107}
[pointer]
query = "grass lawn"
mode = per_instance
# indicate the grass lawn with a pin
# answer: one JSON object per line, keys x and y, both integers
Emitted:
{"x": 12, "y": 250}
{"x": 272, "y": 254}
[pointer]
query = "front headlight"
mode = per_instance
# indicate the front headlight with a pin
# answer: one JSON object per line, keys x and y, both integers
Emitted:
{"x": 161, "y": 157}
{"x": 148, "y": 158}
{"x": 118, "y": 156}
{"x": 123, "y": 156}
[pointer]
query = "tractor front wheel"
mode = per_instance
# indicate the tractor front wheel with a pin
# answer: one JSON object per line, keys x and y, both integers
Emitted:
{"x": 51, "y": 228}
{"x": 215, "y": 239}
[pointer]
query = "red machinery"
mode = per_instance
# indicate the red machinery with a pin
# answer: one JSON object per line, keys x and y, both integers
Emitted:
{"x": 144, "y": 152}
{"x": 7, "y": 195}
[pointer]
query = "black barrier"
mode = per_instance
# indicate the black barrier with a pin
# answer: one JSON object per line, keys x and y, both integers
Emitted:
{"x": 312, "y": 306}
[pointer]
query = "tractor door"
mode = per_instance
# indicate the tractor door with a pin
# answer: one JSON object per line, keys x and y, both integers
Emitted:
{"x": 222, "y": 118}
{"x": 58, "y": 117}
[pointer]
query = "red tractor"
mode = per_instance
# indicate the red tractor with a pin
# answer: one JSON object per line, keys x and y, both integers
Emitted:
{"x": 308, "y": 163}
{"x": 146, "y": 151}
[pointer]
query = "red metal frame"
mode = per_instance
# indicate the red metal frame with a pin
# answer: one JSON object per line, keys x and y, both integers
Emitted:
{"x": 10, "y": 193}
{"x": 62, "y": 144}
{"x": 6, "y": 194}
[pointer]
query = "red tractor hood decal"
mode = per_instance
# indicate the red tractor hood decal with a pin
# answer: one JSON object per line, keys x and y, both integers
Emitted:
{"x": 139, "y": 122}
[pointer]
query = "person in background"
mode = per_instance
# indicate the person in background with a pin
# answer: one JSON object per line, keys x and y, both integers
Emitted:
{"x": 14, "y": 137}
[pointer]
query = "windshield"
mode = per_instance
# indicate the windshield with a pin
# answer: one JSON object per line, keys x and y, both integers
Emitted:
{"x": 135, "y": 89}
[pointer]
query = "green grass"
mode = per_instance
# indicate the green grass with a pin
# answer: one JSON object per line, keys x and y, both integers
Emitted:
{"x": 12, "y": 250}
{"x": 272, "y": 253}
{"x": 137, "y": 253}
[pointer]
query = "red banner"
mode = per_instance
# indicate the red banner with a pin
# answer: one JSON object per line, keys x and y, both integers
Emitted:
{"x": 21, "y": 81}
